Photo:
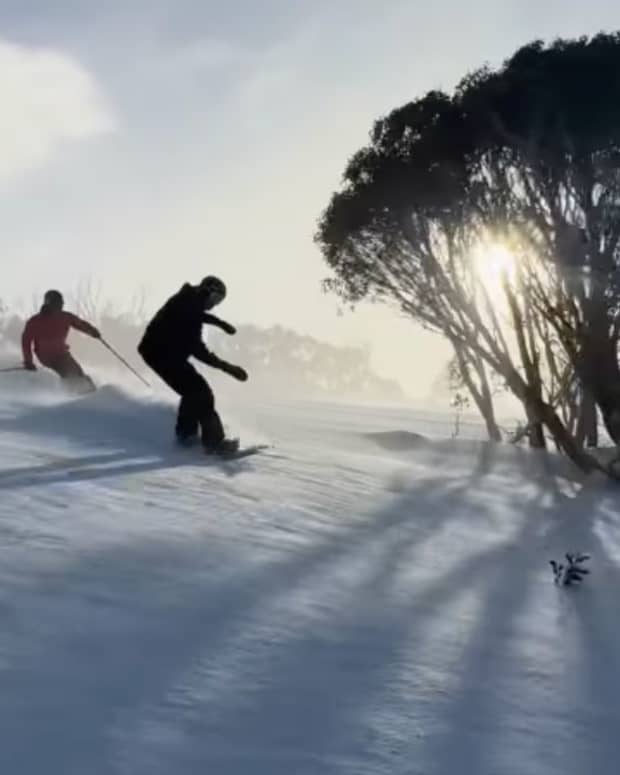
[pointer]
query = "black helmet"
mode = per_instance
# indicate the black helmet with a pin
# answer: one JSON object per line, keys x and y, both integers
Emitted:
{"x": 213, "y": 286}
{"x": 53, "y": 300}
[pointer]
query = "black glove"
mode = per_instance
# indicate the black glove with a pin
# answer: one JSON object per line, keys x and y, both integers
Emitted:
{"x": 237, "y": 372}
{"x": 30, "y": 367}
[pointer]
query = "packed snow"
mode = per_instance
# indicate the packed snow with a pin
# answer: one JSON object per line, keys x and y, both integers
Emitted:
{"x": 365, "y": 596}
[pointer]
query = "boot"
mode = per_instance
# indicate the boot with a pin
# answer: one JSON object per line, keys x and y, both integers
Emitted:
{"x": 187, "y": 439}
{"x": 224, "y": 447}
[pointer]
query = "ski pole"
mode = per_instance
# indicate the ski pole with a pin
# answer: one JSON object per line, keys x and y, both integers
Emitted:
{"x": 12, "y": 368}
{"x": 124, "y": 362}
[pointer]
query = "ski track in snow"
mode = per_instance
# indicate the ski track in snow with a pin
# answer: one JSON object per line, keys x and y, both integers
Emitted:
{"x": 353, "y": 600}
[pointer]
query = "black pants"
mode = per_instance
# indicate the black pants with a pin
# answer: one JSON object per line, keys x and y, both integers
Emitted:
{"x": 71, "y": 373}
{"x": 197, "y": 407}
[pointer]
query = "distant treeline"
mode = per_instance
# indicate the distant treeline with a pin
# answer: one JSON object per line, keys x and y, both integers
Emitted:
{"x": 280, "y": 361}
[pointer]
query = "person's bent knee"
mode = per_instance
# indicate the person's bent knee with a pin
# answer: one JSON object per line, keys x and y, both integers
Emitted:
{"x": 202, "y": 400}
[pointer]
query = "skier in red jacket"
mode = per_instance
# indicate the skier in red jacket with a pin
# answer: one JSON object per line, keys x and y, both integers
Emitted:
{"x": 47, "y": 332}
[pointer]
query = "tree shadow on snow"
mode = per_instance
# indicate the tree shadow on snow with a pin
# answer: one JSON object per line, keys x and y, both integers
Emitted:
{"x": 508, "y": 715}
{"x": 155, "y": 658}
{"x": 101, "y": 645}
{"x": 92, "y": 468}
{"x": 590, "y": 523}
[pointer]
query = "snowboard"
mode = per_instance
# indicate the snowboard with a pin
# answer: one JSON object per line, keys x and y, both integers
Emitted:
{"x": 238, "y": 454}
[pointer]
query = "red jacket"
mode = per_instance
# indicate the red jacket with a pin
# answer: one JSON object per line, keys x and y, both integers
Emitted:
{"x": 48, "y": 331}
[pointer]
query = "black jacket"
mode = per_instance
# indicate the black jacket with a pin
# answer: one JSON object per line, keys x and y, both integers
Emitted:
{"x": 175, "y": 333}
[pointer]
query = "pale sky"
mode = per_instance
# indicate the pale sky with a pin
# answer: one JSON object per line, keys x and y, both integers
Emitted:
{"x": 144, "y": 143}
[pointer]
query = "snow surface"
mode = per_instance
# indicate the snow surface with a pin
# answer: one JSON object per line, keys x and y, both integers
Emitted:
{"x": 355, "y": 600}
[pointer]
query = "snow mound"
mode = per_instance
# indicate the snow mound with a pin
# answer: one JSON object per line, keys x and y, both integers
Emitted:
{"x": 109, "y": 417}
{"x": 397, "y": 440}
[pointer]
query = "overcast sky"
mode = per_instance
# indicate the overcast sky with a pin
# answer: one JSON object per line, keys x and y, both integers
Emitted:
{"x": 144, "y": 143}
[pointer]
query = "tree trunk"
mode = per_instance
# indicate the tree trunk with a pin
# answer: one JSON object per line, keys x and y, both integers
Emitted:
{"x": 536, "y": 433}
{"x": 564, "y": 440}
{"x": 587, "y": 424}
{"x": 484, "y": 402}
{"x": 530, "y": 359}
{"x": 570, "y": 409}
{"x": 545, "y": 413}
{"x": 482, "y": 395}
{"x": 592, "y": 426}
{"x": 493, "y": 430}
{"x": 598, "y": 371}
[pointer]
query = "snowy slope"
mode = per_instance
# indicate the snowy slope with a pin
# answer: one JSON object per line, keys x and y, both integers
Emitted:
{"x": 355, "y": 600}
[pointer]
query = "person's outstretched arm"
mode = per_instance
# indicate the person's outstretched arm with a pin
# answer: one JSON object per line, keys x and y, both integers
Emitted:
{"x": 213, "y": 320}
{"x": 83, "y": 326}
{"x": 211, "y": 359}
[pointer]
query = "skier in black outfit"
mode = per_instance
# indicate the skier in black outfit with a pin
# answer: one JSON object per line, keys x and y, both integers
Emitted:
{"x": 171, "y": 338}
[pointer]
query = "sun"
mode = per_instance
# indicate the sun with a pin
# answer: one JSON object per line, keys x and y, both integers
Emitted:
{"x": 493, "y": 262}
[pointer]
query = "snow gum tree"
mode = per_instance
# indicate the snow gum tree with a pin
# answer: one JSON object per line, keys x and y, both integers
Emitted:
{"x": 492, "y": 216}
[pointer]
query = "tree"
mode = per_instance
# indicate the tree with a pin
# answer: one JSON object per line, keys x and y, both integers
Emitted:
{"x": 546, "y": 132}
{"x": 527, "y": 159}
{"x": 404, "y": 229}
{"x": 467, "y": 370}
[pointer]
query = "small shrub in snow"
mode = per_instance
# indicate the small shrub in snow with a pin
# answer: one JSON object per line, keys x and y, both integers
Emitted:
{"x": 573, "y": 572}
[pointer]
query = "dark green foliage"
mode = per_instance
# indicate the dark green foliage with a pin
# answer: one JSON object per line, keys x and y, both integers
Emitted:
{"x": 529, "y": 153}
{"x": 571, "y": 573}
